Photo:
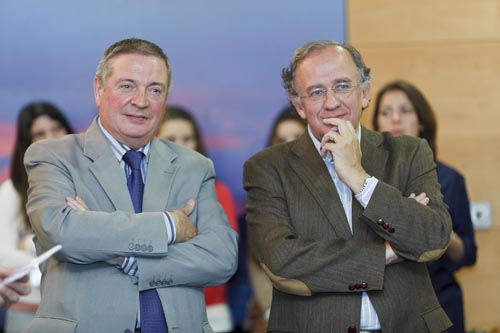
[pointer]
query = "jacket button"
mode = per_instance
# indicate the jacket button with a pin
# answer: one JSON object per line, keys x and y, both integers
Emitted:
{"x": 130, "y": 246}
{"x": 364, "y": 285}
{"x": 352, "y": 287}
{"x": 380, "y": 222}
{"x": 127, "y": 331}
{"x": 385, "y": 226}
{"x": 391, "y": 230}
{"x": 144, "y": 248}
{"x": 357, "y": 286}
{"x": 351, "y": 329}
{"x": 150, "y": 248}
{"x": 137, "y": 247}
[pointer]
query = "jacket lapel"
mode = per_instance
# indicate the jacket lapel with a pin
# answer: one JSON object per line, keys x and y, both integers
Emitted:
{"x": 374, "y": 158}
{"x": 106, "y": 168}
{"x": 310, "y": 168}
{"x": 161, "y": 172}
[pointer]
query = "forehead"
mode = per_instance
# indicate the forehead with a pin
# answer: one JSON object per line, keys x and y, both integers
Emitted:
{"x": 178, "y": 124}
{"x": 328, "y": 64}
{"x": 132, "y": 64}
{"x": 395, "y": 96}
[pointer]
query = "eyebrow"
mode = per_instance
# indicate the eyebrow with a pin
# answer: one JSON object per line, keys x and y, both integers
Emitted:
{"x": 334, "y": 82}
{"x": 163, "y": 85}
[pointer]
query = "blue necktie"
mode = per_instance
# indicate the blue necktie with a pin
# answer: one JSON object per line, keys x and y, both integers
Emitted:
{"x": 152, "y": 317}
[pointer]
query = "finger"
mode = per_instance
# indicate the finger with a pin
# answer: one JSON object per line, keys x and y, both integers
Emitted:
{"x": 71, "y": 202}
{"x": 188, "y": 207}
{"x": 420, "y": 197}
{"x": 329, "y": 137}
{"x": 81, "y": 203}
{"x": 22, "y": 288}
{"x": 9, "y": 295}
{"x": 74, "y": 204}
{"x": 344, "y": 127}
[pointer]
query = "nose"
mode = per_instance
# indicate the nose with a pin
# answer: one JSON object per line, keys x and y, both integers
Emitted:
{"x": 140, "y": 99}
{"x": 396, "y": 116}
{"x": 331, "y": 99}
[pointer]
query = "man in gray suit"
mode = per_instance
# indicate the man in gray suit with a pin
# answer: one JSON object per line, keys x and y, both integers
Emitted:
{"x": 84, "y": 189}
{"x": 333, "y": 216}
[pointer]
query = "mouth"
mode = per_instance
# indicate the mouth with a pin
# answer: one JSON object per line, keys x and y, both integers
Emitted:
{"x": 136, "y": 117}
{"x": 397, "y": 132}
{"x": 330, "y": 114}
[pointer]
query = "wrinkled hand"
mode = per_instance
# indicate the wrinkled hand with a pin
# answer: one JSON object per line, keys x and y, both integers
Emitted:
{"x": 390, "y": 256}
{"x": 78, "y": 204}
{"x": 342, "y": 143}
{"x": 10, "y": 293}
{"x": 184, "y": 228}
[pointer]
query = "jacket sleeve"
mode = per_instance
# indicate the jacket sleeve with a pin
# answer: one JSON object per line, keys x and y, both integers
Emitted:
{"x": 86, "y": 237}
{"x": 419, "y": 233}
{"x": 208, "y": 259}
{"x": 297, "y": 263}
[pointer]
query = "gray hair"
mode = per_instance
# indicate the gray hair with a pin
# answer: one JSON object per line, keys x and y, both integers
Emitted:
{"x": 288, "y": 74}
{"x": 131, "y": 46}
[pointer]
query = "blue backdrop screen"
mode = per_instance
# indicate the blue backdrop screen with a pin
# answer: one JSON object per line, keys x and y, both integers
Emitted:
{"x": 226, "y": 57}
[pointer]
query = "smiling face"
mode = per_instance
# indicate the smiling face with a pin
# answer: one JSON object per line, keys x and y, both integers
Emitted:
{"x": 132, "y": 98}
{"x": 397, "y": 115}
{"x": 324, "y": 69}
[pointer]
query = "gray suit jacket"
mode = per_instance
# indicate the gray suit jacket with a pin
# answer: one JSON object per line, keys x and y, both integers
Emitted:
{"x": 81, "y": 293}
{"x": 300, "y": 233}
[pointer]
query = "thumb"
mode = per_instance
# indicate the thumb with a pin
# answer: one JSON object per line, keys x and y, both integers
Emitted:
{"x": 188, "y": 207}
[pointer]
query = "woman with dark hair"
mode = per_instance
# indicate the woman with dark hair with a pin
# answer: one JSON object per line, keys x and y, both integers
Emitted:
{"x": 180, "y": 126}
{"x": 36, "y": 121}
{"x": 400, "y": 108}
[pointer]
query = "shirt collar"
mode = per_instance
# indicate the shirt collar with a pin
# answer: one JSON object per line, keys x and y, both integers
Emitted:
{"x": 119, "y": 149}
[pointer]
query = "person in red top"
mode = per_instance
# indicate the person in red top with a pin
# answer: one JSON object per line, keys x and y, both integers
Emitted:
{"x": 180, "y": 126}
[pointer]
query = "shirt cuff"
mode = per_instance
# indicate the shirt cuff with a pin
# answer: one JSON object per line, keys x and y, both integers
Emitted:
{"x": 170, "y": 225}
{"x": 129, "y": 266}
{"x": 365, "y": 195}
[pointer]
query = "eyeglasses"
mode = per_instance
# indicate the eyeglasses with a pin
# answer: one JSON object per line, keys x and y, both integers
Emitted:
{"x": 341, "y": 91}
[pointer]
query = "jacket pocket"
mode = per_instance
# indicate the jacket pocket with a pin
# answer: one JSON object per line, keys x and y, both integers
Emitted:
{"x": 52, "y": 325}
{"x": 436, "y": 320}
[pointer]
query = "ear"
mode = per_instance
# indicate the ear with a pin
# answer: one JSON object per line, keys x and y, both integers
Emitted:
{"x": 300, "y": 109}
{"x": 365, "y": 97}
{"x": 98, "y": 87}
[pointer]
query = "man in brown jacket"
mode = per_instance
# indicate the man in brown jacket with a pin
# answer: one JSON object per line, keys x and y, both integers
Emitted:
{"x": 333, "y": 216}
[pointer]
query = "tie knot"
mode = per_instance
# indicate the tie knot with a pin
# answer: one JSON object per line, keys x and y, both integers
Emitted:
{"x": 133, "y": 158}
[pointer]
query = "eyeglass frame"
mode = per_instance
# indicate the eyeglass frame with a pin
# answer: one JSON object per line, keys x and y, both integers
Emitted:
{"x": 339, "y": 94}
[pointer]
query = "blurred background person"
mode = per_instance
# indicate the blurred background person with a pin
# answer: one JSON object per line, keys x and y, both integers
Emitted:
{"x": 180, "y": 126}
{"x": 400, "y": 108}
{"x": 286, "y": 127}
{"x": 36, "y": 121}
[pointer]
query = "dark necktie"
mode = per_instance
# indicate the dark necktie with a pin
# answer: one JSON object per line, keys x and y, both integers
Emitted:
{"x": 152, "y": 317}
